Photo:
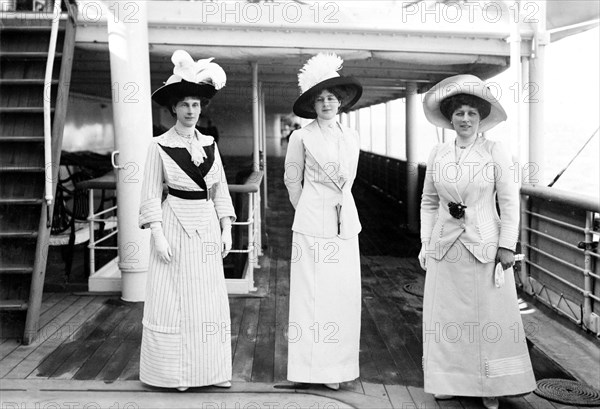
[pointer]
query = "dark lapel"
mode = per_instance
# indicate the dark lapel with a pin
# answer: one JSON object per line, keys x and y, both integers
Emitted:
{"x": 182, "y": 157}
{"x": 208, "y": 161}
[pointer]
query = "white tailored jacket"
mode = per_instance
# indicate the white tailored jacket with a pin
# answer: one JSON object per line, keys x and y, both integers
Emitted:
{"x": 486, "y": 172}
{"x": 318, "y": 180}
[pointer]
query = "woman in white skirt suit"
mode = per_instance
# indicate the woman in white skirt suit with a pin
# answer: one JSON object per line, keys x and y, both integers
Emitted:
{"x": 473, "y": 338}
{"x": 325, "y": 285}
{"x": 186, "y": 326}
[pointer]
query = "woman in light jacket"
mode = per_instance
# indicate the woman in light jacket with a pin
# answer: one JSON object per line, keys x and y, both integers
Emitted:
{"x": 186, "y": 336}
{"x": 473, "y": 338}
{"x": 325, "y": 286}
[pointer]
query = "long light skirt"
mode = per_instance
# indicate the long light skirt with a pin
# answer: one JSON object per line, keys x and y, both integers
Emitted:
{"x": 325, "y": 300}
{"x": 186, "y": 338}
{"x": 473, "y": 338}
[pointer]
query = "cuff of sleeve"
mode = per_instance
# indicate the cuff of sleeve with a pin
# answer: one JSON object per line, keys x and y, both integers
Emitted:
{"x": 507, "y": 244}
{"x": 150, "y": 211}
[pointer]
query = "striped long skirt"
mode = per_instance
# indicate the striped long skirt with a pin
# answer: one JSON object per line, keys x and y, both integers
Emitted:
{"x": 186, "y": 338}
{"x": 325, "y": 300}
{"x": 473, "y": 338}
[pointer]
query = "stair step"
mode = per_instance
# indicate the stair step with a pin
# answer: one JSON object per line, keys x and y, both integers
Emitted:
{"x": 18, "y": 168}
{"x": 20, "y": 201}
{"x": 13, "y": 138}
{"x": 27, "y": 54}
{"x": 18, "y": 234}
{"x": 23, "y": 110}
{"x": 13, "y": 305}
{"x": 19, "y": 81}
{"x": 16, "y": 269}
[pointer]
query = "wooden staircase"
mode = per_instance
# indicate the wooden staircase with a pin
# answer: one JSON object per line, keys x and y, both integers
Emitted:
{"x": 24, "y": 231}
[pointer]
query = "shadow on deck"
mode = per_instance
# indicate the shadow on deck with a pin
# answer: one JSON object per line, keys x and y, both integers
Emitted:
{"x": 96, "y": 339}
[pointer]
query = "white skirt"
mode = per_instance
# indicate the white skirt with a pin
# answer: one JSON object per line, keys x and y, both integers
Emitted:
{"x": 325, "y": 303}
{"x": 473, "y": 338}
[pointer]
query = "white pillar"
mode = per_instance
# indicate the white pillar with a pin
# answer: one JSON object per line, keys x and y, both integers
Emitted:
{"x": 388, "y": 128}
{"x": 132, "y": 113}
{"x": 524, "y": 117}
{"x": 255, "y": 118}
{"x": 276, "y": 124}
{"x": 536, "y": 98}
{"x": 514, "y": 107}
{"x": 263, "y": 127}
{"x": 412, "y": 174}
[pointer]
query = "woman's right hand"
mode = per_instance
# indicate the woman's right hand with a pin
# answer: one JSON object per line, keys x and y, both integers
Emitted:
{"x": 423, "y": 256}
{"x": 161, "y": 245}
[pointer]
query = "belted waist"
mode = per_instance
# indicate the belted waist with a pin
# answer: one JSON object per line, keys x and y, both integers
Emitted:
{"x": 188, "y": 194}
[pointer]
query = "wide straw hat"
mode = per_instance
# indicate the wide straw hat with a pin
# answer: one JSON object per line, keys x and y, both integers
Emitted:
{"x": 320, "y": 73}
{"x": 201, "y": 78}
{"x": 462, "y": 84}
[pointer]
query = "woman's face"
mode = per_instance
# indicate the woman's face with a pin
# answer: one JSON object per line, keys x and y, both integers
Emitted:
{"x": 326, "y": 105}
{"x": 188, "y": 111}
{"x": 465, "y": 121}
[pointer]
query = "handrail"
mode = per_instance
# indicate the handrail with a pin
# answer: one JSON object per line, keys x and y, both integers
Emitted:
{"x": 251, "y": 185}
{"x": 559, "y": 239}
{"x": 555, "y": 195}
{"x": 49, "y": 185}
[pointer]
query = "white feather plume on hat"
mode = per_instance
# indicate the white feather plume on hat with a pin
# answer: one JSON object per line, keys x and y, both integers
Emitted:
{"x": 201, "y": 71}
{"x": 319, "y": 68}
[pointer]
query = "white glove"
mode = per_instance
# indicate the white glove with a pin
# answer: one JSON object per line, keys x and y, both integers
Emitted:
{"x": 160, "y": 242}
{"x": 423, "y": 256}
{"x": 226, "y": 240}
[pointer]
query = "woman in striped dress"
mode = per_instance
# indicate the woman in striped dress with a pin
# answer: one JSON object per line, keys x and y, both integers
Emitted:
{"x": 186, "y": 326}
{"x": 325, "y": 287}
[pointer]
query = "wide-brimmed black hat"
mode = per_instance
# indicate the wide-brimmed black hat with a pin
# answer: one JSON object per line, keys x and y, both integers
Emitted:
{"x": 201, "y": 78}
{"x": 320, "y": 73}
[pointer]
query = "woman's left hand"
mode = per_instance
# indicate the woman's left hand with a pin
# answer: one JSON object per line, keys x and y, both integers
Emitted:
{"x": 225, "y": 236}
{"x": 505, "y": 257}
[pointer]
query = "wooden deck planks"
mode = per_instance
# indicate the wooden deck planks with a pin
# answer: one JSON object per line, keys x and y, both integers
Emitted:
{"x": 114, "y": 331}
{"x": 236, "y": 309}
{"x": 69, "y": 357}
{"x": 264, "y": 353}
{"x": 422, "y": 400}
{"x": 396, "y": 333}
{"x": 27, "y": 357}
{"x": 282, "y": 305}
{"x": 243, "y": 360}
{"x": 379, "y": 354}
{"x": 64, "y": 335}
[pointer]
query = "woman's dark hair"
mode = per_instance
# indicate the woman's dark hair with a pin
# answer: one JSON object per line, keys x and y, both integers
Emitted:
{"x": 175, "y": 99}
{"x": 451, "y": 104}
{"x": 338, "y": 92}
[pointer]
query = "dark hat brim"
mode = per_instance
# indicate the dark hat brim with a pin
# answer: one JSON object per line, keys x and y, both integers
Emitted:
{"x": 304, "y": 105}
{"x": 165, "y": 94}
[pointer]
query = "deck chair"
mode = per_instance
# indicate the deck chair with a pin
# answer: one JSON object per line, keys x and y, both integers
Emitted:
{"x": 69, "y": 220}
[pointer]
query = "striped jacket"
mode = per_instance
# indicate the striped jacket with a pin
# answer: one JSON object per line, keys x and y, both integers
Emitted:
{"x": 191, "y": 214}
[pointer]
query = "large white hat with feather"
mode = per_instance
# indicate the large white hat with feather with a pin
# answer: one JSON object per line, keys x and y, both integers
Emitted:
{"x": 320, "y": 73}
{"x": 202, "y": 78}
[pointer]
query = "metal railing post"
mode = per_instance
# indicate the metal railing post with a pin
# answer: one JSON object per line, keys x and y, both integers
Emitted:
{"x": 92, "y": 245}
{"x": 524, "y": 270}
{"x": 587, "y": 266}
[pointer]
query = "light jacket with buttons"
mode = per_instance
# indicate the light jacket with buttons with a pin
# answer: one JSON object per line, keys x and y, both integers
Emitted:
{"x": 485, "y": 172}
{"x": 317, "y": 181}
